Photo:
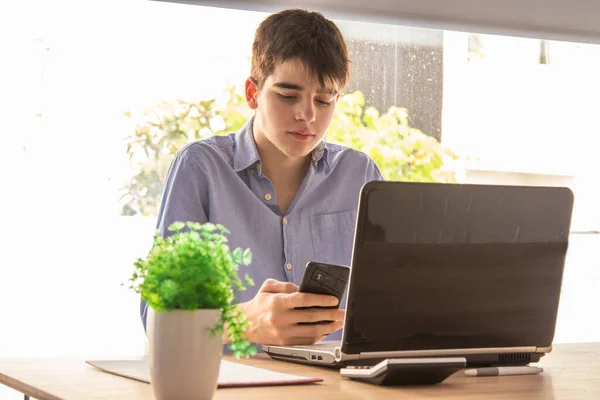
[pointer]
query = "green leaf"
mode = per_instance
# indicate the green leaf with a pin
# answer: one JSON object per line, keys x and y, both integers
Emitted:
{"x": 237, "y": 256}
{"x": 195, "y": 226}
{"x": 176, "y": 226}
{"x": 247, "y": 257}
{"x": 223, "y": 229}
{"x": 208, "y": 227}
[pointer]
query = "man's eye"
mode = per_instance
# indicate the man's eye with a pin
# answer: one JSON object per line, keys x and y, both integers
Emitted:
{"x": 325, "y": 103}
{"x": 285, "y": 97}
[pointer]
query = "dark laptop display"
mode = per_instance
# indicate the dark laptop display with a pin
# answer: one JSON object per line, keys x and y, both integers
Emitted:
{"x": 451, "y": 270}
{"x": 456, "y": 266}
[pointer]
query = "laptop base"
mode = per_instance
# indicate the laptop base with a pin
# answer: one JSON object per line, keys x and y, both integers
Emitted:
{"x": 313, "y": 355}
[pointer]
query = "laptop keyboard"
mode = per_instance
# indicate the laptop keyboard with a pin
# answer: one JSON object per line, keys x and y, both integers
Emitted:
{"x": 322, "y": 346}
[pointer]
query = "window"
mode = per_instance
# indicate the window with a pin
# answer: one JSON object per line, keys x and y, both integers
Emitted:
{"x": 77, "y": 88}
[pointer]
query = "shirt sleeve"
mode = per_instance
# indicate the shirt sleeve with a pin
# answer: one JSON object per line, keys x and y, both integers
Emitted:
{"x": 185, "y": 198}
{"x": 373, "y": 173}
{"x": 185, "y": 194}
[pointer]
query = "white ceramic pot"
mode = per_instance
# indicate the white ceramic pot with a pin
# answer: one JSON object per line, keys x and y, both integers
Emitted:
{"x": 184, "y": 358}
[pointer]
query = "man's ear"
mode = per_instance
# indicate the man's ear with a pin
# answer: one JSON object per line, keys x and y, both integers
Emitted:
{"x": 251, "y": 89}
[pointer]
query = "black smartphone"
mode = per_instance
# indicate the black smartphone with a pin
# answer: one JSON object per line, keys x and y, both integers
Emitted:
{"x": 324, "y": 278}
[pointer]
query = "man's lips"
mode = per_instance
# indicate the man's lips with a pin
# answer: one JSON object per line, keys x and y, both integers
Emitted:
{"x": 301, "y": 136}
{"x": 303, "y": 132}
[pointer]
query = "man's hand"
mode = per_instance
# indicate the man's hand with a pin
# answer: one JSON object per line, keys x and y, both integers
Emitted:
{"x": 274, "y": 319}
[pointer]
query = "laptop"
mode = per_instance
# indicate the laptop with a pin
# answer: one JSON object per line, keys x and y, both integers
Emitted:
{"x": 440, "y": 270}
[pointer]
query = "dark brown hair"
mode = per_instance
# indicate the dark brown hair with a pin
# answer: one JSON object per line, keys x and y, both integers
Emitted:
{"x": 306, "y": 36}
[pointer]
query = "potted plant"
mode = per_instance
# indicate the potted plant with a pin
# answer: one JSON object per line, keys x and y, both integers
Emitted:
{"x": 188, "y": 280}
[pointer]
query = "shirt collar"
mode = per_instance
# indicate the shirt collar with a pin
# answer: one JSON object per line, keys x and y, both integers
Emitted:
{"x": 246, "y": 154}
{"x": 320, "y": 153}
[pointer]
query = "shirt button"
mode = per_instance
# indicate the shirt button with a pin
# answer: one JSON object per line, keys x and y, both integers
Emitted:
{"x": 285, "y": 221}
{"x": 267, "y": 196}
{"x": 288, "y": 266}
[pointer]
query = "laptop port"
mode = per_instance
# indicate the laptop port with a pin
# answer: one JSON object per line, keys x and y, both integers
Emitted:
{"x": 313, "y": 357}
{"x": 320, "y": 358}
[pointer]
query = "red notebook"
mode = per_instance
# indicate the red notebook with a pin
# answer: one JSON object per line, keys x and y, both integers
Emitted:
{"x": 230, "y": 374}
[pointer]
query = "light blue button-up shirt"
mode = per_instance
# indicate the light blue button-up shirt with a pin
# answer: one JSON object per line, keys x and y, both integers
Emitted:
{"x": 219, "y": 180}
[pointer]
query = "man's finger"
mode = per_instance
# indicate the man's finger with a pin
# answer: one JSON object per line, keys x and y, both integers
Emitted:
{"x": 316, "y": 332}
{"x": 313, "y": 315}
{"x": 298, "y": 300}
{"x": 274, "y": 286}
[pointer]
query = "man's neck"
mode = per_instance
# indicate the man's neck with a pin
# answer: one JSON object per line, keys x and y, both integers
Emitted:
{"x": 284, "y": 168}
{"x": 286, "y": 173}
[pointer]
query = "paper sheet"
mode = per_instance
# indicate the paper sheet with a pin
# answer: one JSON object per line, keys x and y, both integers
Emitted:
{"x": 230, "y": 374}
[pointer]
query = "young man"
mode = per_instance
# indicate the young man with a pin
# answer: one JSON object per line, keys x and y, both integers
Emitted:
{"x": 279, "y": 189}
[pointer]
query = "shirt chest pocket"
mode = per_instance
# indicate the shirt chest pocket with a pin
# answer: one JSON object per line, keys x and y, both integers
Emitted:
{"x": 333, "y": 236}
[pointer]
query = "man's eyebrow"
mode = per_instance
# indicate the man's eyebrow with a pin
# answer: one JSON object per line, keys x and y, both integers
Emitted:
{"x": 286, "y": 85}
{"x": 293, "y": 86}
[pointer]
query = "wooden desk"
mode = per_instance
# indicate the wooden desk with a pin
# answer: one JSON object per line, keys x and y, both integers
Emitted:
{"x": 570, "y": 372}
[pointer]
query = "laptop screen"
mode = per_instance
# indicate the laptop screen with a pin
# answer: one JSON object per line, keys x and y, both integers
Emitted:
{"x": 442, "y": 266}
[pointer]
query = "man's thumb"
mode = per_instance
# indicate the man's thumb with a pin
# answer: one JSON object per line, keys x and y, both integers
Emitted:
{"x": 274, "y": 286}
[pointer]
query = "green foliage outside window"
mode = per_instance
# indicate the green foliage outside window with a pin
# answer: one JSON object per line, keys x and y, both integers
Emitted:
{"x": 401, "y": 152}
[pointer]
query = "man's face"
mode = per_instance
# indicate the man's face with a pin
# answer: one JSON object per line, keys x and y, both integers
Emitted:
{"x": 293, "y": 111}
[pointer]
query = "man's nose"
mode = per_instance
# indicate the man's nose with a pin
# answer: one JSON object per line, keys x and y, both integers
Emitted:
{"x": 305, "y": 111}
